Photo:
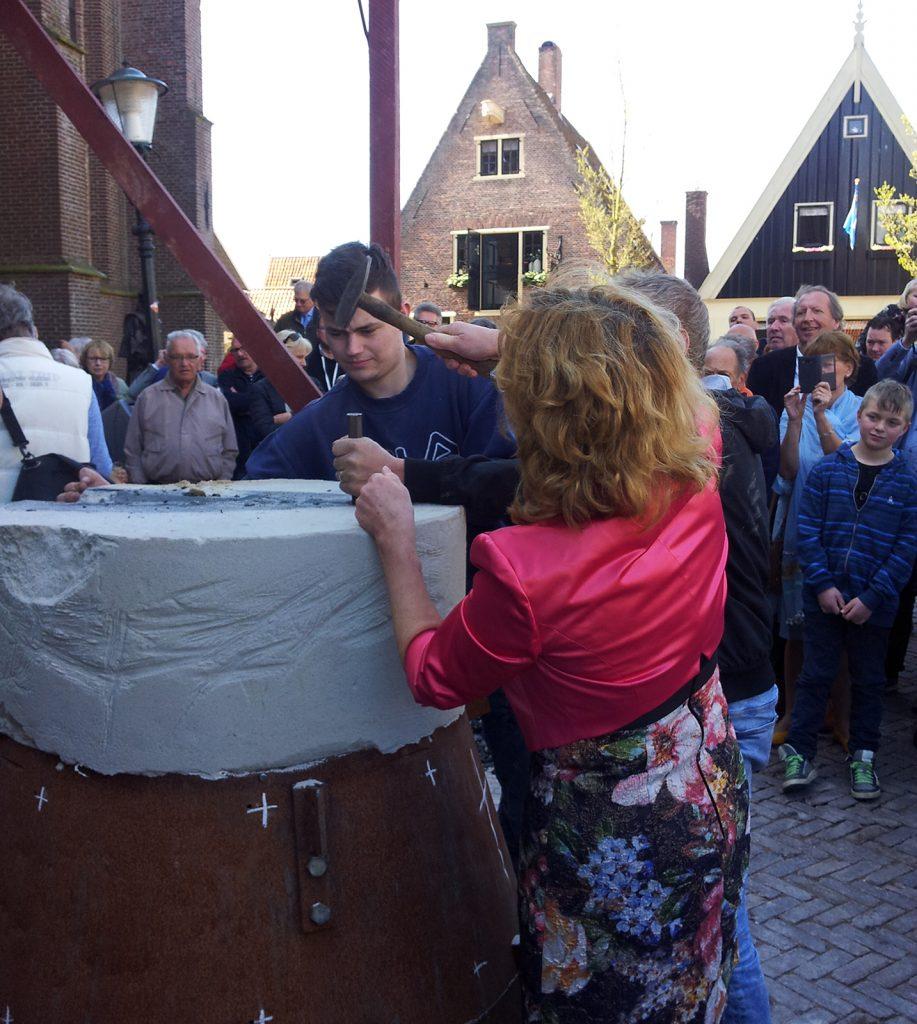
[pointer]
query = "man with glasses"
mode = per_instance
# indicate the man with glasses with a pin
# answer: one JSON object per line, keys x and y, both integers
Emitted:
{"x": 181, "y": 428}
{"x": 428, "y": 313}
{"x": 303, "y": 310}
{"x": 236, "y": 385}
{"x": 156, "y": 371}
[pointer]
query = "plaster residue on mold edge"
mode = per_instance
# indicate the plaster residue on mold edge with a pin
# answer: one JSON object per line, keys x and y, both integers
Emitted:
{"x": 256, "y": 650}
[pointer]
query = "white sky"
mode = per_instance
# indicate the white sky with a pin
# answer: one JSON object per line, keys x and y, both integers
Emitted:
{"x": 716, "y": 93}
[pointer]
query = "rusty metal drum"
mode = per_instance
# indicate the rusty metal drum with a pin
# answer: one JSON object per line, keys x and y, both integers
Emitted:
{"x": 219, "y": 802}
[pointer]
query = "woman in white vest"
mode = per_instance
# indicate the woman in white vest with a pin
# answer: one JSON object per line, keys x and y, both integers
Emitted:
{"x": 50, "y": 400}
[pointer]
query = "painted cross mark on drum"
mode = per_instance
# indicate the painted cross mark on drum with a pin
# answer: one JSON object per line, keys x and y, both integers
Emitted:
{"x": 7, "y": 1017}
{"x": 479, "y": 967}
{"x": 485, "y": 805}
{"x": 261, "y": 1018}
{"x": 263, "y": 808}
{"x": 430, "y": 773}
{"x": 42, "y": 800}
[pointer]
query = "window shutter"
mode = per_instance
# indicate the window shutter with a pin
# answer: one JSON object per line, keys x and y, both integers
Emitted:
{"x": 473, "y": 255}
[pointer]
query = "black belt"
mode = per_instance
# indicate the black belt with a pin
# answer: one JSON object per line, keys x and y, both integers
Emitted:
{"x": 707, "y": 668}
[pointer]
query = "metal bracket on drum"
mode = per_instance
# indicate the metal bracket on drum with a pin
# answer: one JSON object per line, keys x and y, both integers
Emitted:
{"x": 310, "y": 818}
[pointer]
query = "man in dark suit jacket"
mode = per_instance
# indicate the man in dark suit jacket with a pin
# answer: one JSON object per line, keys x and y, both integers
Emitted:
{"x": 298, "y": 318}
{"x": 817, "y": 309}
{"x": 303, "y": 319}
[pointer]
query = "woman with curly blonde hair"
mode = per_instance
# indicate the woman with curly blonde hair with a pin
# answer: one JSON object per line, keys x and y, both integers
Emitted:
{"x": 599, "y": 613}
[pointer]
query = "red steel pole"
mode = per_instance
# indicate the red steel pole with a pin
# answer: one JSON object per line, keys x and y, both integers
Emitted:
{"x": 384, "y": 131}
{"x": 148, "y": 195}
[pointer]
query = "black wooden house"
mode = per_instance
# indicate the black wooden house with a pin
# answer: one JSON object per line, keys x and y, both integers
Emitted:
{"x": 794, "y": 234}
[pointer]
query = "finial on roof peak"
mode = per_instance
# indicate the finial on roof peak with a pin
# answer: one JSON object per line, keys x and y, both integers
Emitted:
{"x": 859, "y": 25}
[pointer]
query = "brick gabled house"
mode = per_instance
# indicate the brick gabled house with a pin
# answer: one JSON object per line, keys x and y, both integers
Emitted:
{"x": 497, "y": 197}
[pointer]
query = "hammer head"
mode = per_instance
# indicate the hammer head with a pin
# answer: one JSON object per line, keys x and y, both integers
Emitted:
{"x": 347, "y": 304}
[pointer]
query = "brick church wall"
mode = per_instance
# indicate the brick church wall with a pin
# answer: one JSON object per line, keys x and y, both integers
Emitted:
{"x": 166, "y": 36}
{"x": 65, "y": 227}
{"x": 45, "y": 246}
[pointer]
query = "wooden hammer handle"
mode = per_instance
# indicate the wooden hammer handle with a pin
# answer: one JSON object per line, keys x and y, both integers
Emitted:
{"x": 383, "y": 311}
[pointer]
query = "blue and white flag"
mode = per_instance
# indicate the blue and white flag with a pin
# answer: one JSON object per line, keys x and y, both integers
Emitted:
{"x": 850, "y": 224}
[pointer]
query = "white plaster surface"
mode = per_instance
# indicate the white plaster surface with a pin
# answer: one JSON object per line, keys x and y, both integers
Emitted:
{"x": 219, "y": 629}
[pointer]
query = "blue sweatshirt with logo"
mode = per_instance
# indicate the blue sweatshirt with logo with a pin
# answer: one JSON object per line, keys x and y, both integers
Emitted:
{"x": 440, "y": 413}
{"x": 866, "y": 553}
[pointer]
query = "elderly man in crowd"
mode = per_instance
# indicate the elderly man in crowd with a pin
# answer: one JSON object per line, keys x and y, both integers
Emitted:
{"x": 303, "y": 310}
{"x": 729, "y": 357}
{"x": 156, "y": 371}
{"x": 815, "y": 310}
{"x": 54, "y": 403}
{"x": 181, "y": 428}
{"x": 779, "y": 331}
{"x": 747, "y": 338}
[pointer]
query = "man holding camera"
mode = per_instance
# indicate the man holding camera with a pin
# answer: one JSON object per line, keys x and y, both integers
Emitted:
{"x": 815, "y": 310}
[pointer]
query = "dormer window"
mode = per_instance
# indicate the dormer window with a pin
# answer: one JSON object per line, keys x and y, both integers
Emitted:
{"x": 509, "y": 156}
{"x": 878, "y": 228}
{"x": 813, "y": 227}
{"x": 490, "y": 157}
{"x": 500, "y": 156}
{"x": 856, "y": 126}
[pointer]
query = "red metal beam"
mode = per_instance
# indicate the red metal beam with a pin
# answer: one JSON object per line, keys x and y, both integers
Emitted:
{"x": 384, "y": 131}
{"x": 147, "y": 193}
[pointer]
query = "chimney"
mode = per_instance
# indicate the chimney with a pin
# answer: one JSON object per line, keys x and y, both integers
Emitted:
{"x": 667, "y": 245}
{"x": 549, "y": 61}
{"x": 501, "y": 33}
{"x": 696, "y": 266}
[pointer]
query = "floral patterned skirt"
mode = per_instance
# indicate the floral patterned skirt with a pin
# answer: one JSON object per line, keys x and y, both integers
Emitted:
{"x": 633, "y": 851}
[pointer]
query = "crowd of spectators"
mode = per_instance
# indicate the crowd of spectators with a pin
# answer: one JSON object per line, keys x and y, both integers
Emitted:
{"x": 816, "y": 479}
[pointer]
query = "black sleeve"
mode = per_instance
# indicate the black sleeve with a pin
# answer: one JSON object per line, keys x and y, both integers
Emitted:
{"x": 866, "y": 376}
{"x": 314, "y": 365}
{"x": 485, "y": 487}
{"x": 761, "y": 382}
{"x": 260, "y": 411}
{"x": 237, "y": 391}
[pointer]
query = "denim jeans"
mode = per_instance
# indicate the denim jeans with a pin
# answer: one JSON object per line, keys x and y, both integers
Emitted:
{"x": 826, "y": 639}
{"x": 747, "y": 1003}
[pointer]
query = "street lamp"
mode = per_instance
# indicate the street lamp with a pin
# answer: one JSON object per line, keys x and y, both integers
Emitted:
{"x": 130, "y": 99}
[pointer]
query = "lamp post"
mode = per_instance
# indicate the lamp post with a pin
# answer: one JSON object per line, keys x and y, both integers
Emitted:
{"x": 130, "y": 99}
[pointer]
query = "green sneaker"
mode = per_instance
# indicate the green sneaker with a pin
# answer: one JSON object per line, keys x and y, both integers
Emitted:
{"x": 797, "y": 772}
{"x": 864, "y": 783}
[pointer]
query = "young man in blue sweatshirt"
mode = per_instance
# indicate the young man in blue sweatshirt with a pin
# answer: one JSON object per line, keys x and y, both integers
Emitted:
{"x": 857, "y": 542}
{"x": 412, "y": 404}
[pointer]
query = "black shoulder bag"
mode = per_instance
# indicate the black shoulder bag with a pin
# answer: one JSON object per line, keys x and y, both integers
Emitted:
{"x": 41, "y": 477}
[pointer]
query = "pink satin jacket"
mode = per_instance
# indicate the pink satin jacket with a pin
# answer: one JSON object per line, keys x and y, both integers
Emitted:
{"x": 586, "y": 630}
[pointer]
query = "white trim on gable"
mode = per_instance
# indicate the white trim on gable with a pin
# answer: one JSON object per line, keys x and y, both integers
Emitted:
{"x": 857, "y": 68}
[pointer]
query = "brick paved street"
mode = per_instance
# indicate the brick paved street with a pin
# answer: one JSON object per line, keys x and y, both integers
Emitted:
{"x": 833, "y": 899}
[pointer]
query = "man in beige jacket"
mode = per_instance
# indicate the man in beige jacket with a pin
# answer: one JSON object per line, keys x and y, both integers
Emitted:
{"x": 180, "y": 429}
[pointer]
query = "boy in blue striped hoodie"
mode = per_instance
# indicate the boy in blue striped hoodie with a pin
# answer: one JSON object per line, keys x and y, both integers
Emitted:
{"x": 857, "y": 543}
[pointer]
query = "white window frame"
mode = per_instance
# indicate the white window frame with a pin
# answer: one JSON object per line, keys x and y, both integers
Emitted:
{"x": 818, "y": 248}
{"x": 478, "y": 139}
{"x": 874, "y": 223}
{"x": 857, "y": 117}
{"x": 543, "y": 228}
